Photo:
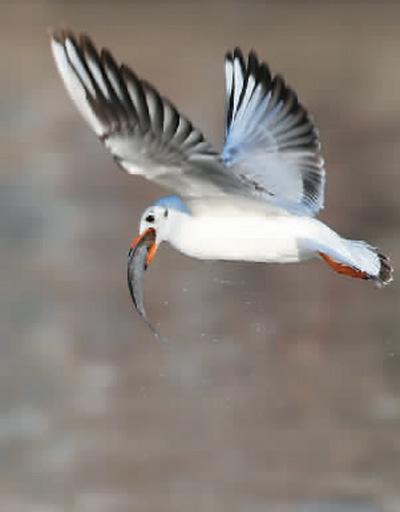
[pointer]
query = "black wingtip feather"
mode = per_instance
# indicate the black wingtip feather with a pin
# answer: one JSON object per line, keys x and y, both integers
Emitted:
{"x": 264, "y": 75}
{"x": 228, "y": 56}
{"x": 238, "y": 56}
{"x": 252, "y": 63}
{"x": 386, "y": 270}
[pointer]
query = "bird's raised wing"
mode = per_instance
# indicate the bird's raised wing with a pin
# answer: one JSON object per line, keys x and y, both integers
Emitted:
{"x": 144, "y": 131}
{"x": 270, "y": 140}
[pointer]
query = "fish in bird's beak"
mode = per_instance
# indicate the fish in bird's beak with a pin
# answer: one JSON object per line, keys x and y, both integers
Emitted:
{"x": 141, "y": 253}
{"x": 148, "y": 239}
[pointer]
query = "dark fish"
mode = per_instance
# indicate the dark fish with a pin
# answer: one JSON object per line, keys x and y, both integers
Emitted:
{"x": 136, "y": 268}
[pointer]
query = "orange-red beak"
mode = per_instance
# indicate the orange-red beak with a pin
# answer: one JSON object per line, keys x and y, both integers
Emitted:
{"x": 151, "y": 251}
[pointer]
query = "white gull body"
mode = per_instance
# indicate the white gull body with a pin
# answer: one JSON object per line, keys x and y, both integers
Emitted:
{"x": 248, "y": 236}
{"x": 256, "y": 200}
{"x": 225, "y": 230}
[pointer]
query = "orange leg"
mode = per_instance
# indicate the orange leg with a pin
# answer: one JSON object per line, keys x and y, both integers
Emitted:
{"x": 341, "y": 268}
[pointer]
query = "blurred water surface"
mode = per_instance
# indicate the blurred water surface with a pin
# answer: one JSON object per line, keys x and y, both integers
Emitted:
{"x": 278, "y": 387}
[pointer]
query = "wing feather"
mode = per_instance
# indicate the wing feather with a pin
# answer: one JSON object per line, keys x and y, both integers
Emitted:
{"x": 270, "y": 139}
{"x": 144, "y": 131}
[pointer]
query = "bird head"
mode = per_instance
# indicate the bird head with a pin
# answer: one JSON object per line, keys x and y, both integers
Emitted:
{"x": 158, "y": 219}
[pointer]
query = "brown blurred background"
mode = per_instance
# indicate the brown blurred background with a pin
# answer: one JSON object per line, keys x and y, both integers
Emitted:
{"x": 278, "y": 388}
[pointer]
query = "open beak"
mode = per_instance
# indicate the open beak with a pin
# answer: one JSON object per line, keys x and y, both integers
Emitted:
{"x": 152, "y": 248}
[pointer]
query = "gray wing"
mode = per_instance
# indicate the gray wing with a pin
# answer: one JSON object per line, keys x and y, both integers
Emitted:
{"x": 270, "y": 141}
{"x": 144, "y": 131}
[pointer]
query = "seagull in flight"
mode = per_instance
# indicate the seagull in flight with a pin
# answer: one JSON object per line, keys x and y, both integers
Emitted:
{"x": 256, "y": 200}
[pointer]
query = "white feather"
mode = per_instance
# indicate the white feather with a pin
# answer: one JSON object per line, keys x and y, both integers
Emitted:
{"x": 238, "y": 84}
{"x": 115, "y": 84}
{"x": 243, "y": 110}
{"x": 76, "y": 63}
{"x": 75, "y": 88}
{"x": 228, "y": 77}
{"x": 98, "y": 76}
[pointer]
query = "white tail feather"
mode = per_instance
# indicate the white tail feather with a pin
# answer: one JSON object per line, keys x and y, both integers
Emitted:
{"x": 364, "y": 256}
{"x": 367, "y": 260}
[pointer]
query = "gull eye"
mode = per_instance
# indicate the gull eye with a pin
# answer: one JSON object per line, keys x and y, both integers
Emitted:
{"x": 150, "y": 218}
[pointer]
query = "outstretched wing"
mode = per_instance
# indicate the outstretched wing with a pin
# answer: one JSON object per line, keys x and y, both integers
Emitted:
{"x": 144, "y": 131}
{"x": 271, "y": 142}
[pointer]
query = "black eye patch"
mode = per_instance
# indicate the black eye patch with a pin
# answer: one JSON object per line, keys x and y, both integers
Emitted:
{"x": 150, "y": 218}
